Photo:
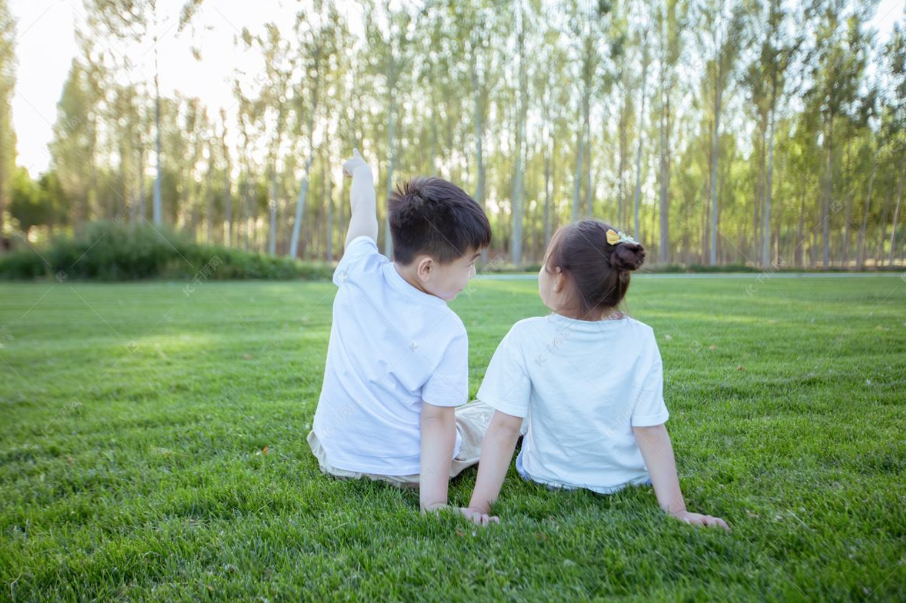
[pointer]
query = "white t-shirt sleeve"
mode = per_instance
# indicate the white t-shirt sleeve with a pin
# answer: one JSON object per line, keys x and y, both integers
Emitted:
{"x": 506, "y": 386}
{"x": 360, "y": 253}
{"x": 649, "y": 409}
{"x": 449, "y": 383}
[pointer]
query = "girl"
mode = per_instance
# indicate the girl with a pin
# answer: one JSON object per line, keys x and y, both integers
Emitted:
{"x": 589, "y": 379}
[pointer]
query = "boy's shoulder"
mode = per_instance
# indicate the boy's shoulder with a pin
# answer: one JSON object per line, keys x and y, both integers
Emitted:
{"x": 455, "y": 326}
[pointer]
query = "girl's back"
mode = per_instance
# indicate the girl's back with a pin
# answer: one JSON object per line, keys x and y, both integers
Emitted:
{"x": 584, "y": 385}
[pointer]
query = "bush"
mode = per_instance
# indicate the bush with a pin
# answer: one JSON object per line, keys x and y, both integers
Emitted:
{"x": 108, "y": 251}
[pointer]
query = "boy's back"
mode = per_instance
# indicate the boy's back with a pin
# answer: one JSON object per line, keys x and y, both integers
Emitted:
{"x": 393, "y": 406}
{"x": 391, "y": 348}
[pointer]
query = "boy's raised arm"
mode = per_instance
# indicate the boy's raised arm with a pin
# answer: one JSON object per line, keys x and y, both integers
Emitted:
{"x": 362, "y": 198}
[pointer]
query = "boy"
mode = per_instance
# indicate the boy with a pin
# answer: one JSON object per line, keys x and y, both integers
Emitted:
{"x": 397, "y": 361}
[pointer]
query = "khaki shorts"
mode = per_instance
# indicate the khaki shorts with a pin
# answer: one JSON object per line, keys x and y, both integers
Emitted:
{"x": 471, "y": 422}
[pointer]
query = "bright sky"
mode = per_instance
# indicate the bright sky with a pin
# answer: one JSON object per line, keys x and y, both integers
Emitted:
{"x": 46, "y": 46}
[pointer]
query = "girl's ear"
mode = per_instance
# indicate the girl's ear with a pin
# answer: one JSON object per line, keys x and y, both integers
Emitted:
{"x": 559, "y": 281}
{"x": 424, "y": 269}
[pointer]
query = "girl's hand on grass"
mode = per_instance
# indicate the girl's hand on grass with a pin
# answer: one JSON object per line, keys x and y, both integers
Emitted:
{"x": 697, "y": 519}
{"x": 478, "y": 518}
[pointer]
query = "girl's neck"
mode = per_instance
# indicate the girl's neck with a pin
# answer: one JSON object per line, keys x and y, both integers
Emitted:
{"x": 593, "y": 315}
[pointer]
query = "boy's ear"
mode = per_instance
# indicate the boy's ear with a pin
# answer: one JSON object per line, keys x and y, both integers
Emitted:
{"x": 424, "y": 268}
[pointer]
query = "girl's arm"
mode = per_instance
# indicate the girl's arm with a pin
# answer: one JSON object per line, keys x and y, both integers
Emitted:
{"x": 654, "y": 443}
{"x": 496, "y": 454}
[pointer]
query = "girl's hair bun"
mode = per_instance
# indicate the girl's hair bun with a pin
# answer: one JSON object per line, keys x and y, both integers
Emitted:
{"x": 626, "y": 257}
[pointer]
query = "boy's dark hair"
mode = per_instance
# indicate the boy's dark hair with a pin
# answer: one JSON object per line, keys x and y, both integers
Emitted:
{"x": 598, "y": 270}
{"x": 436, "y": 218}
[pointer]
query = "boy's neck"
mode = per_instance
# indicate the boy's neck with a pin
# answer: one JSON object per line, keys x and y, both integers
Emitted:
{"x": 408, "y": 276}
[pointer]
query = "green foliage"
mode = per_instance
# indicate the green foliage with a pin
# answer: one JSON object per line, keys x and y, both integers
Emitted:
{"x": 109, "y": 251}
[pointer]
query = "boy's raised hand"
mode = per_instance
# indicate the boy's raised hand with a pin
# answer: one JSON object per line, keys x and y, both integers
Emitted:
{"x": 354, "y": 163}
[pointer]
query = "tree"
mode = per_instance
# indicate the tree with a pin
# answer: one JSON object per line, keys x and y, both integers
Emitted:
{"x": 7, "y": 136}
{"x": 636, "y": 226}
{"x": 836, "y": 78}
{"x": 895, "y": 55}
{"x": 390, "y": 59}
{"x": 722, "y": 47}
{"x": 670, "y": 20}
{"x": 516, "y": 240}
{"x": 74, "y": 147}
{"x": 766, "y": 78}
{"x": 316, "y": 33}
{"x": 271, "y": 110}
{"x": 586, "y": 33}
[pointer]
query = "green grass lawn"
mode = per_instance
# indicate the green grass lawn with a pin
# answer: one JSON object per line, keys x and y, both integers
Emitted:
{"x": 152, "y": 447}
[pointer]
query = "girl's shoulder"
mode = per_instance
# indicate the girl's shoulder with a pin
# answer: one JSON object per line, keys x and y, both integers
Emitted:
{"x": 542, "y": 327}
{"x": 527, "y": 327}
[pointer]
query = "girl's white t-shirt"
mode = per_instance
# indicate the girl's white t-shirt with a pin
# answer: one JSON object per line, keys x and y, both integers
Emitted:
{"x": 583, "y": 386}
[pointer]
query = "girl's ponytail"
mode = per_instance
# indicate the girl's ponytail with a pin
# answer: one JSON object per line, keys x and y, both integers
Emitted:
{"x": 597, "y": 259}
{"x": 627, "y": 257}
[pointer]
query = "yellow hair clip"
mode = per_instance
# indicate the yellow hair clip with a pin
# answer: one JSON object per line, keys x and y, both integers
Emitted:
{"x": 618, "y": 236}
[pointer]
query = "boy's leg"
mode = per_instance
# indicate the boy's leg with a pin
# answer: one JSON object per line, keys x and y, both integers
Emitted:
{"x": 472, "y": 422}
{"x": 400, "y": 481}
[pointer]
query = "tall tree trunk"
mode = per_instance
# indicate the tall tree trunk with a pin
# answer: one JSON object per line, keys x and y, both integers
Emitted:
{"x": 879, "y": 255}
{"x": 478, "y": 125}
{"x": 547, "y": 177}
{"x": 638, "y": 156}
{"x": 799, "y": 259}
{"x": 328, "y": 241}
{"x": 715, "y": 152}
{"x": 664, "y": 208}
{"x": 391, "y": 153}
{"x": 227, "y": 233}
{"x": 516, "y": 241}
{"x": 768, "y": 193}
{"x": 828, "y": 185}
{"x": 272, "y": 210}
{"x": 209, "y": 203}
{"x": 580, "y": 162}
{"x": 589, "y": 189}
{"x": 848, "y": 208}
{"x": 432, "y": 165}
{"x": 141, "y": 185}
{"x": 896, "y": 214}
{"x": 624, "y": 143}
{"x": 228, "y": 208}
{"x": 293, "y": 251}
{"x": 244, "y": 209}
{"x": 158, "y": 204}
{"x": 865, "y": 211}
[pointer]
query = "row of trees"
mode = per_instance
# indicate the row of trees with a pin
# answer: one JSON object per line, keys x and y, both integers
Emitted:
{"x": 716, "y": 131}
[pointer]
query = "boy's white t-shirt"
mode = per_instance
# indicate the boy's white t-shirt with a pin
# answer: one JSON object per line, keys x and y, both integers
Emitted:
{"x": 391, "y": 347}
{"x": 583, "y": 385}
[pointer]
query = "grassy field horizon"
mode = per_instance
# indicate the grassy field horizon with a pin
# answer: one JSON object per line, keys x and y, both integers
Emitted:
{"x": 153, "y": 448}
